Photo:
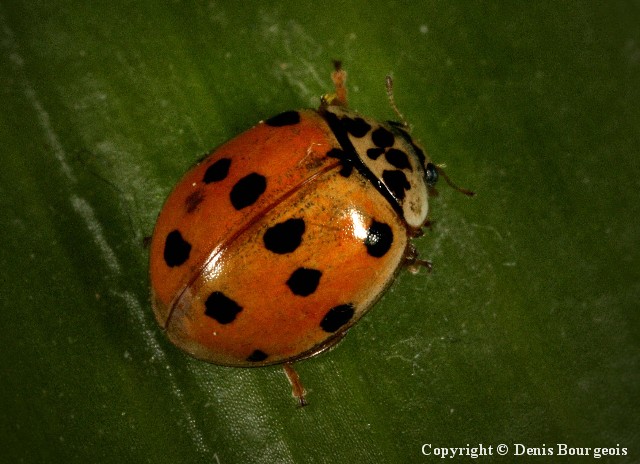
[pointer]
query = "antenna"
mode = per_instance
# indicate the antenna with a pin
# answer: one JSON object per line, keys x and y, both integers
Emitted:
{"x": 392, "y": 101}
{"x": 453, "y": 185}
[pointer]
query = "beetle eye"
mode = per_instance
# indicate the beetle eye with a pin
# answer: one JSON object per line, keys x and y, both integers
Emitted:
{"x": 431, "y": 174}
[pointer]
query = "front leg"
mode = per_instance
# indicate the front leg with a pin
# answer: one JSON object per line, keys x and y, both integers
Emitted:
{"x": 413, "y": 262}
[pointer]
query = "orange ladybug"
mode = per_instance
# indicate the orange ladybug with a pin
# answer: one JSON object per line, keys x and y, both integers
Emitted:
{"x": 273, "y": 246}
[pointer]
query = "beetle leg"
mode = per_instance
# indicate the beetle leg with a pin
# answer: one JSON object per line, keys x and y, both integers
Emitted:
{"x": 413, "y": 263}
{"x": 297, "y": 390}
{"x": 339, "y": 78}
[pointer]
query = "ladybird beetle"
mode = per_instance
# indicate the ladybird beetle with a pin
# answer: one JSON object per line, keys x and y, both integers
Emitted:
{"x": 273, "y": 246}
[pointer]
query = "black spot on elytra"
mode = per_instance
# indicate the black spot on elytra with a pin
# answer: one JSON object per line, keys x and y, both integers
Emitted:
{"x": 346, "y": 170}
{"x": 288, "y": 118}
{"x": 336, "y": 153}
{"x": 176, "y": 249}
{"x": 221, "y": 308}
{"x": 374, "y": 153}
{"x": 397, "y": 183}
{"x": 336, "y": 317}
{"x": 303, "y": 281}
{"x": 347, "y": 167}
{"x": 257, "y": 356}
{"x": 193, "y": 200}
{"x": 431, "y": 174}
{"x": 379, "y": 239}
{"x": 397, "y": 159}
{"x": 382, "y": 138}
{"x": 247, "y": 190}
{"x": 217, "y": 171}
{"x": 357, "y": 127}
{"x": 285, "y": 236}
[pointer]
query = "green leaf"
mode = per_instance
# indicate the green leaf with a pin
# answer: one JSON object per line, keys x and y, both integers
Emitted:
{"x": 526, "y": 332}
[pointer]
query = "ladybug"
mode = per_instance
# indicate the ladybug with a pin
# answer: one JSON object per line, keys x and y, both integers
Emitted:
{"x": 273, "y": 246}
